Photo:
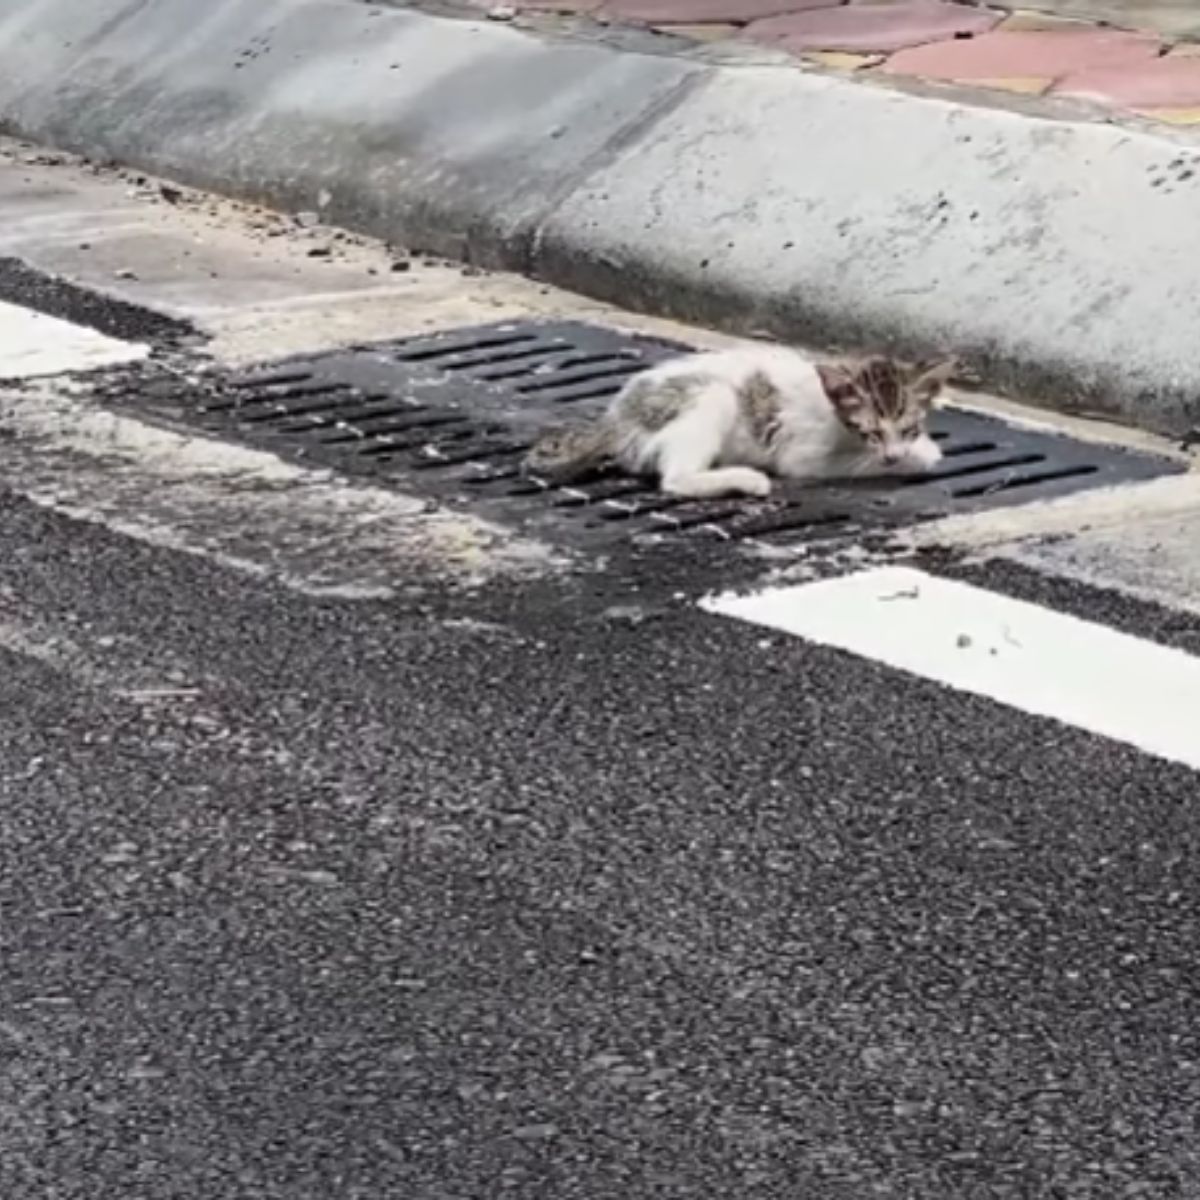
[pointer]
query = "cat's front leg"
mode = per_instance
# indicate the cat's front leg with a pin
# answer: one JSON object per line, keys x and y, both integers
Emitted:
{"x": 719, "y": 481}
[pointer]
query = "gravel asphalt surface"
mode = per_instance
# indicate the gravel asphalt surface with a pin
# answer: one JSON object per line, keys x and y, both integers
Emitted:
{"x": 309, "y": 899}
{"x": 546, "y": 884}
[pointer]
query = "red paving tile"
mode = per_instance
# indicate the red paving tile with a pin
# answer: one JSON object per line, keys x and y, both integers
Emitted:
{"x": 1162, "y": 83}
{"x": 697, "y": 12}
{"x": 873, "y": 28}
{"x": 1024, "y": 55}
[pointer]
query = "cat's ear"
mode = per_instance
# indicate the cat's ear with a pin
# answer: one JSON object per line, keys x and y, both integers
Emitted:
{"x": 840, "y": 384}
{"x": 928, "y": 380}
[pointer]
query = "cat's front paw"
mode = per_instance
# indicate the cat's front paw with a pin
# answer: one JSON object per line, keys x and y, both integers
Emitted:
{"x": 920, "y": 457}
{"x": 751, "y": 482}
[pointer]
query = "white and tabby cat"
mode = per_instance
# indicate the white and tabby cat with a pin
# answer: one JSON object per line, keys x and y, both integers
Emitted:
{"x": 722, "y": 423}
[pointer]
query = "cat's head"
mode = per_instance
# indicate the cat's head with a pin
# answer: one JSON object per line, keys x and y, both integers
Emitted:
{"x": 887, "y": 404}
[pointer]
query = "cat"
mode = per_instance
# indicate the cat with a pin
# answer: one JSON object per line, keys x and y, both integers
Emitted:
{"x": 720, "y": 423}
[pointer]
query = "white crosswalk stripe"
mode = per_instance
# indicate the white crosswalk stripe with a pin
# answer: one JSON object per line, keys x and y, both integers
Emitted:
{"x": 1028, "y": 657}
{"x": 33, "y": 344}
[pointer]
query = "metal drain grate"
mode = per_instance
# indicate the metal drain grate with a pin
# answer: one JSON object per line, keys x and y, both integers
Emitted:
{"x": 459, "y": 409}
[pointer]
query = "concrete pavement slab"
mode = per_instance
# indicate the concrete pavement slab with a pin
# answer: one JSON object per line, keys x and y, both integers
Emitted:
{"x": 402, "y": 139}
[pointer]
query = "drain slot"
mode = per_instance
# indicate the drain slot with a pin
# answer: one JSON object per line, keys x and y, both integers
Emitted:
{"x": 711, "y": 514}
{"x": 476, "y": 451}
{"x": 597, "y": 493}
{"x": 979, "y": 468}
{"x": 966, "y": 448}
{"x": 528, "y": 360}
{"x": 441, "y": 351}
{"x": 393, "y": 443}
{"x": 272, "y": 410}
{"x": 1029, "y": 480}
{"x": 787, "y": 521}
{"x": 387, "y": 424}
{"x": 569, "y": 379}
{"x": 526, "y": 355}
{"x": 270, "y": 379}
{"x": 596, "y": 393}
{"x": 311, "y": 416}
{"x": 657, "y": 504}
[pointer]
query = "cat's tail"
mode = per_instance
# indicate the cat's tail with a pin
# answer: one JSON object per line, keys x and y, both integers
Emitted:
{"x": 568, "y": 454}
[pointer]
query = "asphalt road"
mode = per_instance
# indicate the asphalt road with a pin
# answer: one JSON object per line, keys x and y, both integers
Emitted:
{"x": 548, "y": 887}
{"x": 312, "y": 899}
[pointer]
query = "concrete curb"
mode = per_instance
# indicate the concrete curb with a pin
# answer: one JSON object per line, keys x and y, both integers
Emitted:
{"x": 1061, "y": 257}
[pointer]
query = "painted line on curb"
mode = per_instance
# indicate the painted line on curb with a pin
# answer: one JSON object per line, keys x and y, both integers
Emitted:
{"x": 33, "y": 344}
{"x": 1030, "y": 658}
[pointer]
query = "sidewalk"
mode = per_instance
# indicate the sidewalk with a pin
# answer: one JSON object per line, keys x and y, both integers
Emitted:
{"x": 1178, "y": 18}
{"x": 919, "y": 175}
{"x": 1135, "y": 69}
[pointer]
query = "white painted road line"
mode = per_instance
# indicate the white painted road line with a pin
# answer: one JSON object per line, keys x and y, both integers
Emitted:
{"x": 33, "y": 344}
{"x": 1020, "y": 654}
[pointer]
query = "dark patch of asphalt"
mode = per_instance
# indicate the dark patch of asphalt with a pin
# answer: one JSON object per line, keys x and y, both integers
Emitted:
{"x": 59, "y": 297}
{"x": 521, "y": 895}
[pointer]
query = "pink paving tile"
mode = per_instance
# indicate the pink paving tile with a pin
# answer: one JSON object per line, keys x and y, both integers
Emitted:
{"x": 1024, "y": 55}
{"x": 1161, "y": 83}
{"x": 873, "y": 28}
{"x": 582, "y": 7}
{"x": 697, "y": 12}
